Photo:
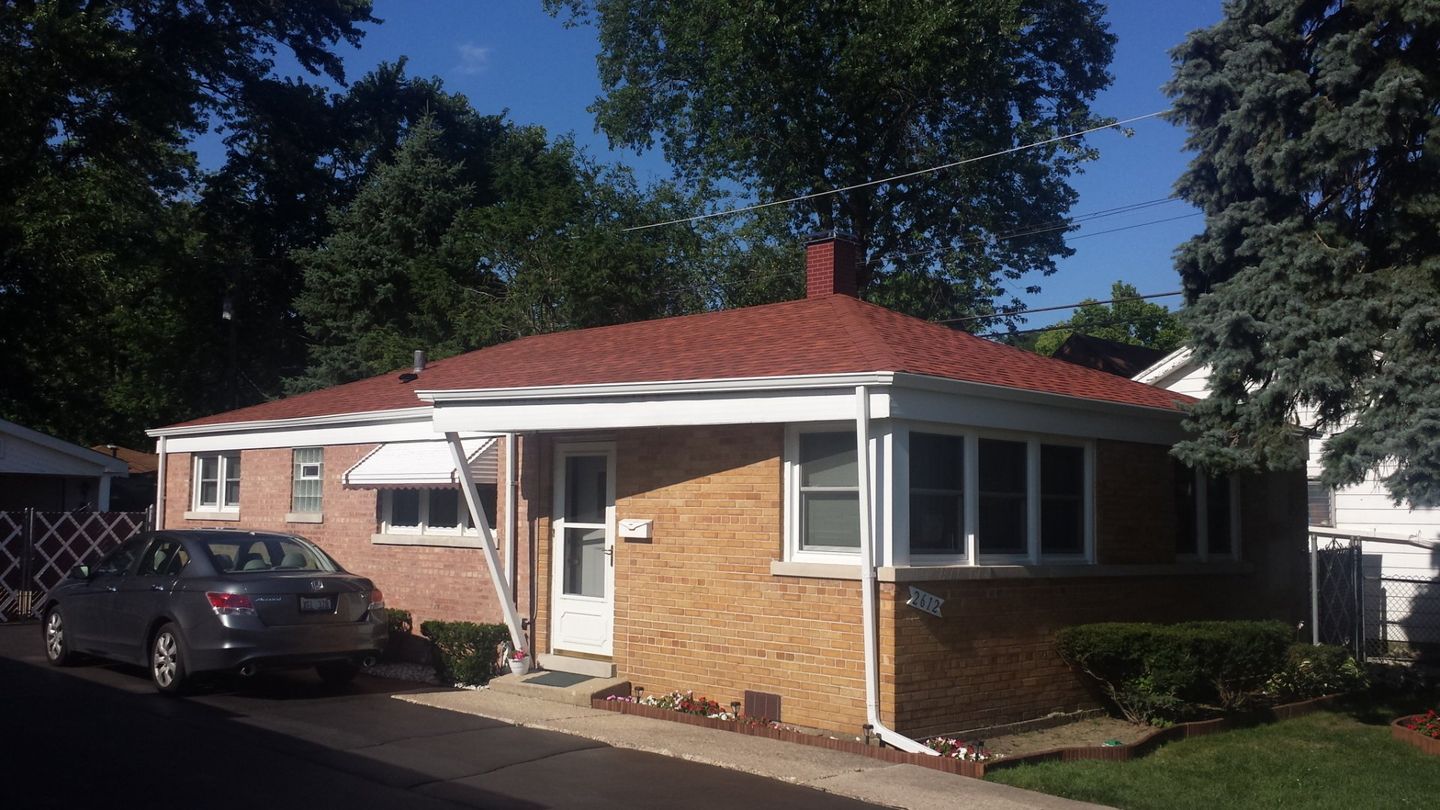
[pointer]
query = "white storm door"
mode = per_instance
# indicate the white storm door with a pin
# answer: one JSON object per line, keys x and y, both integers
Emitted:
{"x": 583, "y": 546}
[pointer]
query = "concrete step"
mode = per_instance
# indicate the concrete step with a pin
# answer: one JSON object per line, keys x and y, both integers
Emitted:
{"x": 577, "y": 694}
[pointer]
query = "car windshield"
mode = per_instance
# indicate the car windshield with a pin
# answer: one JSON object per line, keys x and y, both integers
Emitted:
{"x": 248, "y": 555}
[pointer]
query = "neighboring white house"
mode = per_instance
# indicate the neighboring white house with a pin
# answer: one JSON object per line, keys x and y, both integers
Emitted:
{"x": 1408, "y": 546}
{"x": 42, "y": 472}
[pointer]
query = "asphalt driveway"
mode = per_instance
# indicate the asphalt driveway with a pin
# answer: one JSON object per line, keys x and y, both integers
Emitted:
{"x": 97, "y": 734}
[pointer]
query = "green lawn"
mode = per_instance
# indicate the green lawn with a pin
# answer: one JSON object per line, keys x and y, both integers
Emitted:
{"x": 1342, "y": 759}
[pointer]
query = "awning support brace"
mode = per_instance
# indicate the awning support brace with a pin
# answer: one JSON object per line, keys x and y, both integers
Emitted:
{"x": 487, "y": 541}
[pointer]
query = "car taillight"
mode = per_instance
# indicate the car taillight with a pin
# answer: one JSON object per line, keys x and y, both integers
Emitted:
{"x": 377, "y": 599}
{"x": 231, "y": 604}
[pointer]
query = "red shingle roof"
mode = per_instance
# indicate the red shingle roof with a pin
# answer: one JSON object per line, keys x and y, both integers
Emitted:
{"x": 828, "y": 335}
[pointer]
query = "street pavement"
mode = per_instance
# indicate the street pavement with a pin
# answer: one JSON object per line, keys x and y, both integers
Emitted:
{"x": 97, "y": 735}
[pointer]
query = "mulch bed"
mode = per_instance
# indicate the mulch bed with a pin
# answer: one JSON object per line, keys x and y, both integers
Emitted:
{"x": 1119, "y": 753}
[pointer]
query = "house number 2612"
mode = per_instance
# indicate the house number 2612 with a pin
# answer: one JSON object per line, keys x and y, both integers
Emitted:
{"x": 928, "y": 602}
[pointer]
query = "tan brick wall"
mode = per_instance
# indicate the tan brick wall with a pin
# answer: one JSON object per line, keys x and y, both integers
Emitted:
{"x": 430, "y": 582}
{"x": 696, "y": 607}
{"x": 991, "y": 659}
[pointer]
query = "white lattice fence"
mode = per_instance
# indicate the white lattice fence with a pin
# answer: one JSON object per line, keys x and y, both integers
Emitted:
{"x": 12, "y": 561}
{"x": 63, "y": 540}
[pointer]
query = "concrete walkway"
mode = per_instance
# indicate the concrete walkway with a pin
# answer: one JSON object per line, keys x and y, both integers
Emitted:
{"x": 905, "y": 786}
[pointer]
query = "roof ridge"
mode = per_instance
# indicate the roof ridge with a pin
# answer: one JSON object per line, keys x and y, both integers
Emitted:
{"x": 878, "y": 346}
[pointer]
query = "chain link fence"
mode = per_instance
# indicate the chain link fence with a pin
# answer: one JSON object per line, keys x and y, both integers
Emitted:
{"x": 1376, "y": 613}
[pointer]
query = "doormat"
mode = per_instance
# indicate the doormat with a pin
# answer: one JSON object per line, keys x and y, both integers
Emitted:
{"x": 560, "y": 679}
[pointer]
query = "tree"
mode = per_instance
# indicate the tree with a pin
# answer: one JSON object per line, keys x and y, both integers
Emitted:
{"x": 819, "y": 96}
{"x": 1127, "y": 320}
{"x": 1316, "y": 282}
{"x": 427, "y": 258}
{"x": 108, "y": 322}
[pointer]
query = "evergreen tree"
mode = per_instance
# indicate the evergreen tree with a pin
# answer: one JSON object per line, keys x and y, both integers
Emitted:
{"x": 1127, "y": 320}
{"x": 810, "y": 97}
{"x": 1316, "y": 281}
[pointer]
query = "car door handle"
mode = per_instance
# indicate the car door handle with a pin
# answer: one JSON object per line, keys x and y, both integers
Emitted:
{"x": 157, "y": 587}
{"x": 111, "y": 588}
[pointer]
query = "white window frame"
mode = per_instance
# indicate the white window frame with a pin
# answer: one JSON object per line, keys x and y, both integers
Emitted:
{"x": 794, "y": 551}
{"x": 1202, "y": 520}
{"x": 223, "y": 465}
{"x": 971, "y": 481}
{"x": 297, "y": 475}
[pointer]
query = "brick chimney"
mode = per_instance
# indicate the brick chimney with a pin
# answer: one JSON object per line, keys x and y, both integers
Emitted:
{"x": 832, "y": 262}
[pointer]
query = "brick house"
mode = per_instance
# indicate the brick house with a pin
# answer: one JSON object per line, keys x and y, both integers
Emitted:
{"x": 685, "y": 502}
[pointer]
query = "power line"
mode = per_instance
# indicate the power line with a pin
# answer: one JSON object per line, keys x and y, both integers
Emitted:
{"x": 969, "y": 318}
{"x": 893, "y": 178}
{"x": 1044, "y": 227}
{"x": 1107, "y": 322}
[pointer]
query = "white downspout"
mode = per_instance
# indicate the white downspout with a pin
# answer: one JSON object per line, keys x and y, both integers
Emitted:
{"x": 867, "y": 584}
{"x": 160, "y": 485}
{"x": 487, "y": 540}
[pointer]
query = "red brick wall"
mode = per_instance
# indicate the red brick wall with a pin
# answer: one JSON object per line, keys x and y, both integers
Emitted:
{"x": 430, "y": 582}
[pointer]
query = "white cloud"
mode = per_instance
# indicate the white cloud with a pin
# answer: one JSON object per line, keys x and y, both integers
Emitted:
{"x": 474, "y": 59}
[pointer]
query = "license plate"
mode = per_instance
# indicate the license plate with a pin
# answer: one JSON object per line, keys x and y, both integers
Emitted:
{"x": 316, "y": 604}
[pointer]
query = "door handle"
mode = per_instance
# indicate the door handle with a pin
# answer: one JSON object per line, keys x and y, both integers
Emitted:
{"x": 157, "y": 587}
{"x": 111, "y": 588}
{"x": 610, "y": 554}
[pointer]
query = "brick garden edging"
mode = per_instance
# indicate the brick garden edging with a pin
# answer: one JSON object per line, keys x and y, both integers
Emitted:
{"x": 1429, "y": 745}
{"x": 1118, "y": 753}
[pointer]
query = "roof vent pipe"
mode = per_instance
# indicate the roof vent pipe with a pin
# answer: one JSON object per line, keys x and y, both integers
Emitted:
{"x": 419, "y": 360}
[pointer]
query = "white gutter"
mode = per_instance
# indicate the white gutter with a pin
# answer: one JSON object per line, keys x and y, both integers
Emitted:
{"x": 487, "y": 540}
{"x": 414, "y": 414}
{"x": 867, "y": 584}
{"x": 160, "y": 485}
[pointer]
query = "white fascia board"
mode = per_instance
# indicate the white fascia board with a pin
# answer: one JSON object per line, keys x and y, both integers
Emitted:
{"x": 1164, "y": 366}
{"x": 369, "y": 433}
{"x": 659, "y": 389}
{"x": 364, "y": 417}
{"x": 929, "y": 399}
{"x": 106, "y": 464}
{"x": 611, "y": 412}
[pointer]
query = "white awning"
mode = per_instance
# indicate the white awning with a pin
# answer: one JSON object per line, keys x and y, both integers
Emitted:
{"x": 412, "y": 465}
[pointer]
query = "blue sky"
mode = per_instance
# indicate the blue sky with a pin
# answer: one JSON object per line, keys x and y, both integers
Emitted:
{"x": 513, "y": 56}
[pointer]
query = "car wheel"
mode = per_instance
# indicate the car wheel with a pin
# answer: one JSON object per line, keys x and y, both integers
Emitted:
{"x": 167, "y": 661}
{"x": 337, "y": 673}
{"x": 57, "y": 643}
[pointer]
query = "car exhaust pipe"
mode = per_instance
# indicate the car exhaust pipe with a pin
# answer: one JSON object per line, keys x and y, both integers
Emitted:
{"x": 368, "y": 661}
{"x": 247, "y": 671}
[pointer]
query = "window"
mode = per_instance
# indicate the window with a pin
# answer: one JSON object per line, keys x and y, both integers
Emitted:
{"x": 1003, "y": 488}
{"x": 307, "y": 480}
{"x": 217, "y": 483}
{"x": 1062, "y": 499}
{"x": 937, "y": 494}
{"x": 164, "y": 558}
{"x": 1206, "y": 515}
{"x": 118, "y": 562}
{"x": 829, "y": 492}
{"x": 439, "y": 512}
{"x": 1321, "y": 501}
{"x": 991, "y": 498}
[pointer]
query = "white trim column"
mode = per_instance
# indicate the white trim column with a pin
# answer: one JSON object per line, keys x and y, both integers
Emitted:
{"x": 487, "y": 541}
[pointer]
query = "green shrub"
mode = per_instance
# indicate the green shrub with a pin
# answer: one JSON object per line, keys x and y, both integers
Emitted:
{"x": 465, "y": 652}
{"x": 399, "y": 622}
{"x": 1313, "y": 670}
{"x": 1164, "y": 673}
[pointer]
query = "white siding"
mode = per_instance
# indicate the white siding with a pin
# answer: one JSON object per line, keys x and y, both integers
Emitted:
{"x": 1362, "y": 508}
{"x": 22, "y": 457}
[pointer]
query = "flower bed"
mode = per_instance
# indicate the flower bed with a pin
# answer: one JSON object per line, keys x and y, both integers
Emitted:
{"x": 664, "y": 707}
{"x": 1420, "y": 730}
{"x": 966, "y": 758}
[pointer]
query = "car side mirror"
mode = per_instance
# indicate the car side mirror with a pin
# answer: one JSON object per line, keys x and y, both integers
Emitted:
{"x": 81, "y": 571}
